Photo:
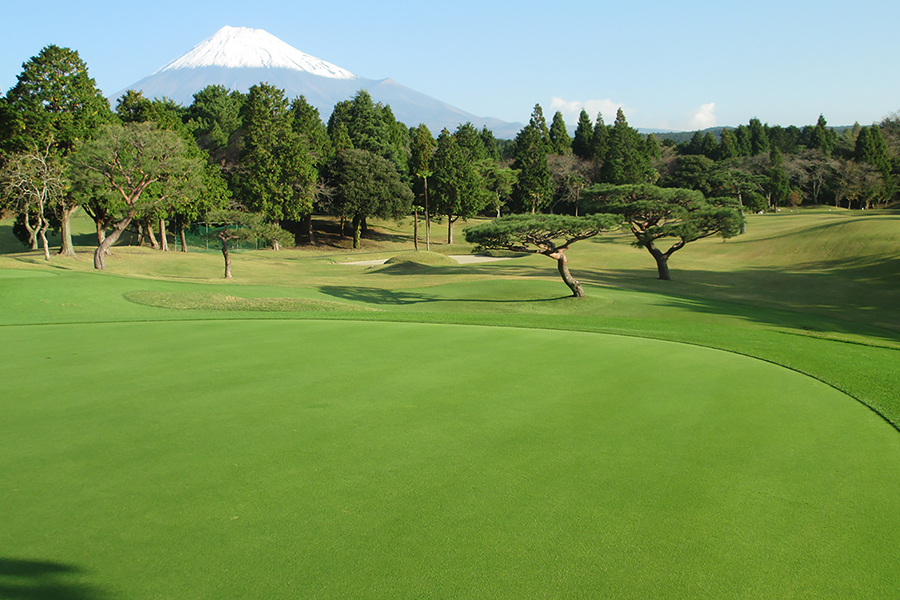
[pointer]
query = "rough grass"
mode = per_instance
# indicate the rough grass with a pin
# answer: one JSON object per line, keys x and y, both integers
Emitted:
{"x": 213, "y": 301}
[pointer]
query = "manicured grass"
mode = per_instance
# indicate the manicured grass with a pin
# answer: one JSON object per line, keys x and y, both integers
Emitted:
{"x": 253, "y": 459}
{"x": 166, "y": 433}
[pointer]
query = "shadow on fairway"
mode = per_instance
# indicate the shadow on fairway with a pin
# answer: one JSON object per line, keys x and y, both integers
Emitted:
{"x": 495, "y": 269}
{"x": 380, "y": 296}
{"x": 43, "y": 580}
{"x": 859, "y": 300}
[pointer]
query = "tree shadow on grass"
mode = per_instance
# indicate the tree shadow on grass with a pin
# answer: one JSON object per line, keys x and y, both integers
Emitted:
{"x": 377, "y": 296}
{"x": 494, "y": 269}
{"x": 381, "y": 296}
{"x": 44, "y": 580}
{"x": 859, "y": 300}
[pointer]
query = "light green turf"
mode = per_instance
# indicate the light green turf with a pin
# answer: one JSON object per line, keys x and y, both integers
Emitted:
{"x": 145, "y": 407}
{"x": 253, "y": 459}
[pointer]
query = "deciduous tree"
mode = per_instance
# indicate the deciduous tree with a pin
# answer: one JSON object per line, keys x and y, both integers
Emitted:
{"x": 141, "y": 166}
{"x": 32, "y": 182}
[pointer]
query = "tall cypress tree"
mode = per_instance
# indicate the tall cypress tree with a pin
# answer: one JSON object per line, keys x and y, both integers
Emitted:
{"x": 560, "y": 142}
{"x": 821, "y": 138}
{"x": 742, "y": 138}
{"x": 728, "y": 148}
{"x": 457, "y": 188}
{"x": 308, "y": 123}
{"x": 872, "y": 148}
{"x": 581, "y": 144}
{"x": 599, "y": 139}
{"x": 278, "y": 175}
{"x": 534, "y": 188}
{"x": 539, "y": 124}
{"x": 759, "y": 139}
{"x": 469, "y": 140}
{"x": 490, "y": 143}
{"x": 626, "y": 160}
{"x": 778, "y": 186}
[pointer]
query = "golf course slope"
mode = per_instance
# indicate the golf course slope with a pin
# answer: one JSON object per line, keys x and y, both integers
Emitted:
{"x": 346, "y": 459}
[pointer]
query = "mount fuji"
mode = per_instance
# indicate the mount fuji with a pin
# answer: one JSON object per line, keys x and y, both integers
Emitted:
{"x": 239, "y": 57}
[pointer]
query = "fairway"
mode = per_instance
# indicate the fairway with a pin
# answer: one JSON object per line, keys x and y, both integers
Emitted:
{"x": 343, "y": 459}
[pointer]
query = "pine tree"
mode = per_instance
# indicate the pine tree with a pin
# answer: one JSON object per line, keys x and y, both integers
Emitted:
{"x": 421, "y": 149}
{"x": 709, "y": 146}
{"x": 55, "y": 101}
{"x": 871, "y": 148}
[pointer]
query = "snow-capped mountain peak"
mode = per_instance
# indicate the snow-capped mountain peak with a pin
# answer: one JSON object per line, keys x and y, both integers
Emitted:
{"x": 236, "y": 47}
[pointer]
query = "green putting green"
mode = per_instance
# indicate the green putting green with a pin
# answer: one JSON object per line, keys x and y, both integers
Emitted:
{"x": 340, "y": 459}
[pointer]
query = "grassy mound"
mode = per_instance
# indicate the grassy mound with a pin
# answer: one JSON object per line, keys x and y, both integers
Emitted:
{"x": 421, "y": 258}
{"x": 212, "y": 301}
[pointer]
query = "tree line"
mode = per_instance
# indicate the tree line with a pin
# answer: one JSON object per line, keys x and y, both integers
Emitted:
{"x": 259, "y": 164}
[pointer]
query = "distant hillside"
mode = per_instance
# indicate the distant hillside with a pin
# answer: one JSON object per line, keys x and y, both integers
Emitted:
{"x": 681, "y": 137}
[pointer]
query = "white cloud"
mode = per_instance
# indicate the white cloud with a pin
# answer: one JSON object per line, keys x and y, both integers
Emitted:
{"x": 704, "y": 117}
{"x": 571, "y": 110}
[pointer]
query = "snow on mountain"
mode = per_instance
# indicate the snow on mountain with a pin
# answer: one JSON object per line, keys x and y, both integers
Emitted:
{"x": 239, "y": 58}
{"x": 239, "y": 47}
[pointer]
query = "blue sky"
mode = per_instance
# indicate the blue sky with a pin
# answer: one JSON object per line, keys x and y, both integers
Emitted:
{"x": 680, "y": 65}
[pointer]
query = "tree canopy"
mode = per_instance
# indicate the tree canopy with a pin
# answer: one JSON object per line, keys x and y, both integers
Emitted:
{"x": 550, "y": 235}
{"x": 135, "y": 166}
{"x": 655, "y": 213}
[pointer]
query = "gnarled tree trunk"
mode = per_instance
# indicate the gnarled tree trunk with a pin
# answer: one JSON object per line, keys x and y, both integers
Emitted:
{"x": 563, "y": 268}
{"x": 662, "y": 261}
{"x": 43, "y": 233}
{"x": 103, "y": 249}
